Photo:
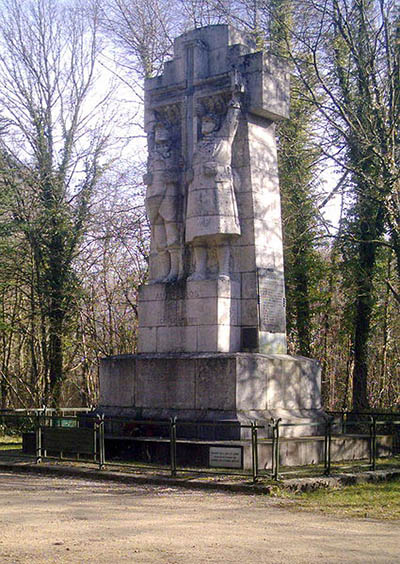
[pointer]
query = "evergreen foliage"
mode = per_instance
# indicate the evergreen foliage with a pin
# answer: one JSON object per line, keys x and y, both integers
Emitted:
{"x": 73, "y": 233}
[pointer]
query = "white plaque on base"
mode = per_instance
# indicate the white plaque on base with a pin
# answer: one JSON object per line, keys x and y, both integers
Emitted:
{"x": 225, "y": 457}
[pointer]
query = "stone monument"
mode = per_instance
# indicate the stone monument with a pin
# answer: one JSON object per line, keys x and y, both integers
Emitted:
{"x": 212, "y": 335}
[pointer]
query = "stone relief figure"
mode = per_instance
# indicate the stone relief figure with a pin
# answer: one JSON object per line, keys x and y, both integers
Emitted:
{"x": 212, "y": 215}
{"x": 163, "y": 203}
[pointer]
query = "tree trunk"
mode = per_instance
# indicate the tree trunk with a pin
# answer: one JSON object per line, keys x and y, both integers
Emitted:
{"x": 303, "y": 311}
{"x": 56, "y": 357}
{"x": 364, "y": 305}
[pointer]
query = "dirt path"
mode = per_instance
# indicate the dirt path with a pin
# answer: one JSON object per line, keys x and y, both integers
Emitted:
{"x": 64, "y": 520}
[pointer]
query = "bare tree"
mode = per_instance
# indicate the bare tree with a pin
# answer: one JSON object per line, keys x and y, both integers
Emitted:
{"x": 143, "y": 30}
{"x": 348, "y": 60}
{"x": 114, "y": 265}
{"x": 53, "y": 146}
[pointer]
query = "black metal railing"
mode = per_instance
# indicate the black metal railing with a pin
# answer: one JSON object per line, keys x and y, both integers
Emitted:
{"x": 172, "y": 432}
{"x": 73, "y": 433}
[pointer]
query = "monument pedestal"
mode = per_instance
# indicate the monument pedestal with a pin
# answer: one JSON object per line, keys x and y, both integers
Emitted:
{"x": 212, "y": 320}
{"x": 191, "y": 316}
{"x": 206, "y": 387}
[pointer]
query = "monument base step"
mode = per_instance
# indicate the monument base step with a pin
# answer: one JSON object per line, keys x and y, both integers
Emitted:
{"x": 219, "y": 387}
{"x": 193, "y": 453}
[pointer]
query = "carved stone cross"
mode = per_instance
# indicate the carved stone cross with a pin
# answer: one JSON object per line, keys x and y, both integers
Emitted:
{"x": 213, "y": 198}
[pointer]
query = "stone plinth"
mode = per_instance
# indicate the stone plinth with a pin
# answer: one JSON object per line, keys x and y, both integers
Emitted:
{"x": 193, "y": 316}
{"x": 240, "y": 387}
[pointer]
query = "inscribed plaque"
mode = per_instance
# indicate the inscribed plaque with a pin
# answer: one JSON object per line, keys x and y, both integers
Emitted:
{"x": 225, "y": 457}
{"x": 272, "y": 303}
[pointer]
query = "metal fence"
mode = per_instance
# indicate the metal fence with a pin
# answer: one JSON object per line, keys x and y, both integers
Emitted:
{"x": 172, "y": 433}
{"x": 82, "y": 435}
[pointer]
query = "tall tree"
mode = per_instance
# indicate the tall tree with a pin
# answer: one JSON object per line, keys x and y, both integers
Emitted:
{"x": 54, "y": 143}
{"x": 351, "y": 47}
{"x": 143, "y": 32}
{"x": 298, "y": 158}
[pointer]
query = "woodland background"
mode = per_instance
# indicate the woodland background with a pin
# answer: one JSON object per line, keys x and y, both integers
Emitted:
{"x": 74, "y": 238}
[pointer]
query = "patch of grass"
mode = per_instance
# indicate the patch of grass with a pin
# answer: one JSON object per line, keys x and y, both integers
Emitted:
{"x": 374, "y": 501}
{"x": 352, "y": 466}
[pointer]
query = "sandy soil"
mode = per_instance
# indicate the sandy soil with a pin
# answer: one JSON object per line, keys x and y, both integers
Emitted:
{"x": 63, "y": 520}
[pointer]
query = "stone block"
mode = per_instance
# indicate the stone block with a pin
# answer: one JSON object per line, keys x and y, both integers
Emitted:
{"x": 262, "y": 144}
{"x": 216, "y": 384}
{"x": 235, "y": 336}
{"x": 117, "y": 381}
{"x": 268, "y": 82}
{"x": 267, "y": 234}
{"x": 252, "y": 389}
{"x": 152, "y": 292}
{"x": 203, "y": 311}
{"x": 218, "y": 338}
{"x": 272, "y": 343}
{"x": 246, "y": 386}
{"x": 170, "y": 339}
{"x": 249, "y": 312}
{"x": 190, "y": 344}
{"x": 151, "y": 314}
{"x": 227, "y": 311}
{"x": 174, "y": 71}
{"x": 212, "y": 288}
{"x": 265, "y": 185}
{"x": 207, "y": 338}
{"x": 248, "y": 286}
{"x": 174, "y": 312}
{"x": 241, "y": 156}
{"x": 247, "y": 233}
{"x": 147, "y": 339}
{"x": 224, "y": 333}
{"x": 293, "y": 383}
{"x": 267, "y": 257}
{"x": 165, "y": 385}
{"x": 245, "y": 205}
{"x": 218, "y": 60}
{"x": 266, "y": 206}
{"x": 244, "y": 258}
{"x": 218, "y": 39}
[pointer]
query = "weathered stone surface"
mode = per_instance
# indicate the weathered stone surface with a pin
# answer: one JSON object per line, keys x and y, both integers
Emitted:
{"x": 216, "y": 263}
{"x": 242, "y": 385}
{"x": 117, "y": 381}
{"x": 162, "y": 384}
{"x": 216, "y": 384}
{"x": 199, "y": 316}
{"x": 210, "y": 121}
{"x": 148, "y": 339}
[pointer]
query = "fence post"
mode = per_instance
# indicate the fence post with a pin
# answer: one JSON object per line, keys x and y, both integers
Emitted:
{"x": 276, "y": 455}
{"x": 344, "y": 422}
{"x": 38, "y": 436}
{"x": 172, "y": 442}
{"x": 44, "y": 413}
{"x": 102, "y": 450}
{"x": 254, "y": 451}
{"x": 372, "y": 442}
{"x": 328, "y": 441}
{"x": 272, "y": 425}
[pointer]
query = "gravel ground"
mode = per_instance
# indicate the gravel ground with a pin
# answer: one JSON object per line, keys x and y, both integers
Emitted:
{"x": 63, "y": 520}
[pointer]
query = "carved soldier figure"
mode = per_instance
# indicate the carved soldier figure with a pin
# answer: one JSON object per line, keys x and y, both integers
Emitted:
{"x": 212, "y": 215}
{"x": 163, "y": 203}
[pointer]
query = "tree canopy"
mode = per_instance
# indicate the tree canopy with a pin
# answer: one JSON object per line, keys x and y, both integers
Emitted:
{"x": 73, "y": 233}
